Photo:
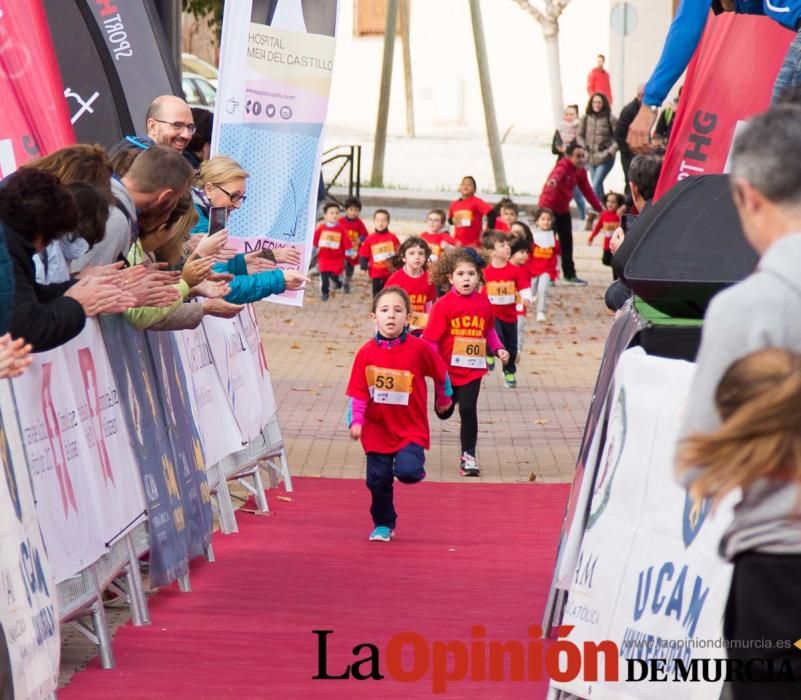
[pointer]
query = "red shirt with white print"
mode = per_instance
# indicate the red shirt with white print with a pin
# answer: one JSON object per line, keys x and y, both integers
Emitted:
{"x": 468, "y": 219}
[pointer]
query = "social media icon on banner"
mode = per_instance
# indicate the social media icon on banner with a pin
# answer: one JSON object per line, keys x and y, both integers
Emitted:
{"x": 269, "y": 110}
{"x": 286, "y": 112}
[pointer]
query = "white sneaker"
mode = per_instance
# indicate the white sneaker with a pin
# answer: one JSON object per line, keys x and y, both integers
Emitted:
{"x": 468, "y": 465}
{"x": 540, "y": 317}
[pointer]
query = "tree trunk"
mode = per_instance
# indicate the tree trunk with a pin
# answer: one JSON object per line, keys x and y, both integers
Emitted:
{"x": 405, "y": 18}
{"x": 551, "y": 35}
{"x": 494, "y": 140}
{"x": 377, "y": 177}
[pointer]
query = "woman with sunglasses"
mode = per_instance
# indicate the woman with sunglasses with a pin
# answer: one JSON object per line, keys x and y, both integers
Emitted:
{"x": 222, "y": 182}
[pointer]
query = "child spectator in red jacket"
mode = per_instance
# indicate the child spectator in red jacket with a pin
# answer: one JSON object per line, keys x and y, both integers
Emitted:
{"x": 378, "y": 250}
{"x": 467, "y": 214}
{"x": 357, "y": 232}
{"x": 609, "y": 221}
{"x": 332, "y": 243}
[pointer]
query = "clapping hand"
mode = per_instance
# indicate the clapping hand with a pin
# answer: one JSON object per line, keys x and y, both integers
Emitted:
{"x": 15, "y": 356}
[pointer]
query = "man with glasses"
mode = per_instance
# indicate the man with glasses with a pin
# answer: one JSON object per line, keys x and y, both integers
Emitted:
{"x": 169, "y": 122}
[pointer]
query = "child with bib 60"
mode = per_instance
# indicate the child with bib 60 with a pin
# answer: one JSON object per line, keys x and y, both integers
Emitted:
{"x": 389, "y": 404}
{"x": 461, "y": 327}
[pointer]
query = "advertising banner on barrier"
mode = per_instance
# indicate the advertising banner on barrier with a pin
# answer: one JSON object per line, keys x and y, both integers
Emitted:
{"x": 29, "y": 631}
{"x": 735, "y": 50}
{"x": 185, "y": 439}
{"x": 58, "y": 455}
{"x": 129, "y": 356}
{"x": 219, "y": 431}
{"x": 648, "y": 577}
{"x": 121, "y": 499}
{"x": 276, "y": 61}
{"x": 239, "y": 374}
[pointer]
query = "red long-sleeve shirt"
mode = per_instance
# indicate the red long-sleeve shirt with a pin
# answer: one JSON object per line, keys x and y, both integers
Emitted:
{"x": 468, "y": 219}
{"x": 332, "y": 242}
{"x": 558, "y": 189}
{"x": 609, "y": 221}
{"x": 357, "y": 232}
{"x": 379, "y": 248}
{"x": 598, "y": 81}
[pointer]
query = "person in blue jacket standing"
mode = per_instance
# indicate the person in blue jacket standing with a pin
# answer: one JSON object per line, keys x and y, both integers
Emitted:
{"x": 222, "y": 182}
{"x": 682, "y": 40}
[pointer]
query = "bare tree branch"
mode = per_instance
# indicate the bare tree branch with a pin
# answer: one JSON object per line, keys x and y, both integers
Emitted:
{"x": 549, "y": 18}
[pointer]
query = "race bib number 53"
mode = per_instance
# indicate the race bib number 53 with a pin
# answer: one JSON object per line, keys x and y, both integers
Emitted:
{"x": 389, "y": 386}
{"x": 470, "y": 353}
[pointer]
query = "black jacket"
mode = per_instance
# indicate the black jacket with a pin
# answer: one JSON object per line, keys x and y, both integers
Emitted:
{"x": 627, "y": 116}
{"x": 40, "y": 314}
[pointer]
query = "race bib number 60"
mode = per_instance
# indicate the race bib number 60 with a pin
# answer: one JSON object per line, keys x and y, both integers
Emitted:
{"x": 389, "y": 386}
{"x": 470, "y": 353}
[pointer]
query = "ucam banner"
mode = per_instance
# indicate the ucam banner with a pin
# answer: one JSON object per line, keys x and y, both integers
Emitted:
{"x": 276, "y": 62}
{"x": 29, "y": 631}
{"x": 649, "y": 587}
{"x": 730, "y": 79}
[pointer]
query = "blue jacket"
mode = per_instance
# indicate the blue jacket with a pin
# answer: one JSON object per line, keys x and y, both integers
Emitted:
{"x": 245, "y": 288}
{"x": 6, "y": 284}
{"x": 687, "y": 28}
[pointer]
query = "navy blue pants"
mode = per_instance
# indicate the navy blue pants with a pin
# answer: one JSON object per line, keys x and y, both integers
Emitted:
{"x": 407, "y": 464}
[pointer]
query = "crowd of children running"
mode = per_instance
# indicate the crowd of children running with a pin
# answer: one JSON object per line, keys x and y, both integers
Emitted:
{"x": 447, "y": 304}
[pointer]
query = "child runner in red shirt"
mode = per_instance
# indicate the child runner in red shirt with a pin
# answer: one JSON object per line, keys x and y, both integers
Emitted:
{"x": 437, "y": 237}
{"x": 357, "y": 232}
{"x": 507, "y": 216}
{"x": 543, "y": 261}
{"x": 467, "y": 214}
{"x": 505, "y": 283}
{"x": 412, "y": 276}
{"x": 521, "y": 242}
{"x": 389, "y": 405}
{"x": 609, "y": 221}
{"x": 378, "y": 250}
{"x": 332, "y": 241}
{"x": 460, "y": 327}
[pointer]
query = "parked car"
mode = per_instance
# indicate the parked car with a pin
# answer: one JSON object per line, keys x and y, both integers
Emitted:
{"x": 193, "y": 64}
{"x": 198, "y": 91}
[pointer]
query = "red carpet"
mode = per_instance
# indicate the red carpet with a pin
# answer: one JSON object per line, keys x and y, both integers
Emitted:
{"x": 465, "y": 554}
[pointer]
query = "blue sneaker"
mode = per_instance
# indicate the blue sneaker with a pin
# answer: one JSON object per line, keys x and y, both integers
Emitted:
{"x": 381, "y": 534}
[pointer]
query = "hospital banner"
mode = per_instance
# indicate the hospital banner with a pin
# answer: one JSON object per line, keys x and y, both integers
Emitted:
{"x": 29, "y": 630}
{"x": 276, "y": 62}
{"x": 648, "y": 578}
{"x": 730, "y": 79}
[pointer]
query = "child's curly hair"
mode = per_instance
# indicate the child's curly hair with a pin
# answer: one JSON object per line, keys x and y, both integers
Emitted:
{"x": 448, "y": 261}
{"x": 410, "y": 242}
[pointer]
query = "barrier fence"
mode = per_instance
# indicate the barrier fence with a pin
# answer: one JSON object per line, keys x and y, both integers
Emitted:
{"x": 113, "y": 446}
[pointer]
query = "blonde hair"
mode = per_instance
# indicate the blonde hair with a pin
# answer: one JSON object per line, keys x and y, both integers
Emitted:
{"x": 759, "y": 401}
{"x": 219, "y": 170}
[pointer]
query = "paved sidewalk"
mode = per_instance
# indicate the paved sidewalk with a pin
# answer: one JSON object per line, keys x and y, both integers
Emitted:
{"x": 530, "y": 432}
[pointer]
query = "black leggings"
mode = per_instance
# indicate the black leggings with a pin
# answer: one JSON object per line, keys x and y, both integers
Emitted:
{"x": 378, "y": 285}
{"x": 466, "y": 396}
{"x": 564, "y": 229}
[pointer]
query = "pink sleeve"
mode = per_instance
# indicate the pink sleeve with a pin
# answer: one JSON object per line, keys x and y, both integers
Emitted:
{"x": 494, "y": 341}
{"x": 358, "y": 408}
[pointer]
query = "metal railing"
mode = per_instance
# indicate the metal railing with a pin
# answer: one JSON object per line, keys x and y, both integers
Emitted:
{"x": 344, "y": 159}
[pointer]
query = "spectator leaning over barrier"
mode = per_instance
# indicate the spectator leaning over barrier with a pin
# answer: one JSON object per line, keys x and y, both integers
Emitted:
{"x": 644, "y": 174}
{"x": 764, "y": 538}
{"x": 197, "y": 150}
{"x": 682, "y": 40}
{"x": 222, "y": 182}
{"x": 556, "y": 195}
{"x": 193, "y": 281}
{"x": 156, "y": 180}
{"x": 86, "y": 171}
{"x": 35, "y": 209}
{"x": 169, "y": 122}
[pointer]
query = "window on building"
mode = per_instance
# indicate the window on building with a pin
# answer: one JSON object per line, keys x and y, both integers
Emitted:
{"x": 370, "y": 17}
